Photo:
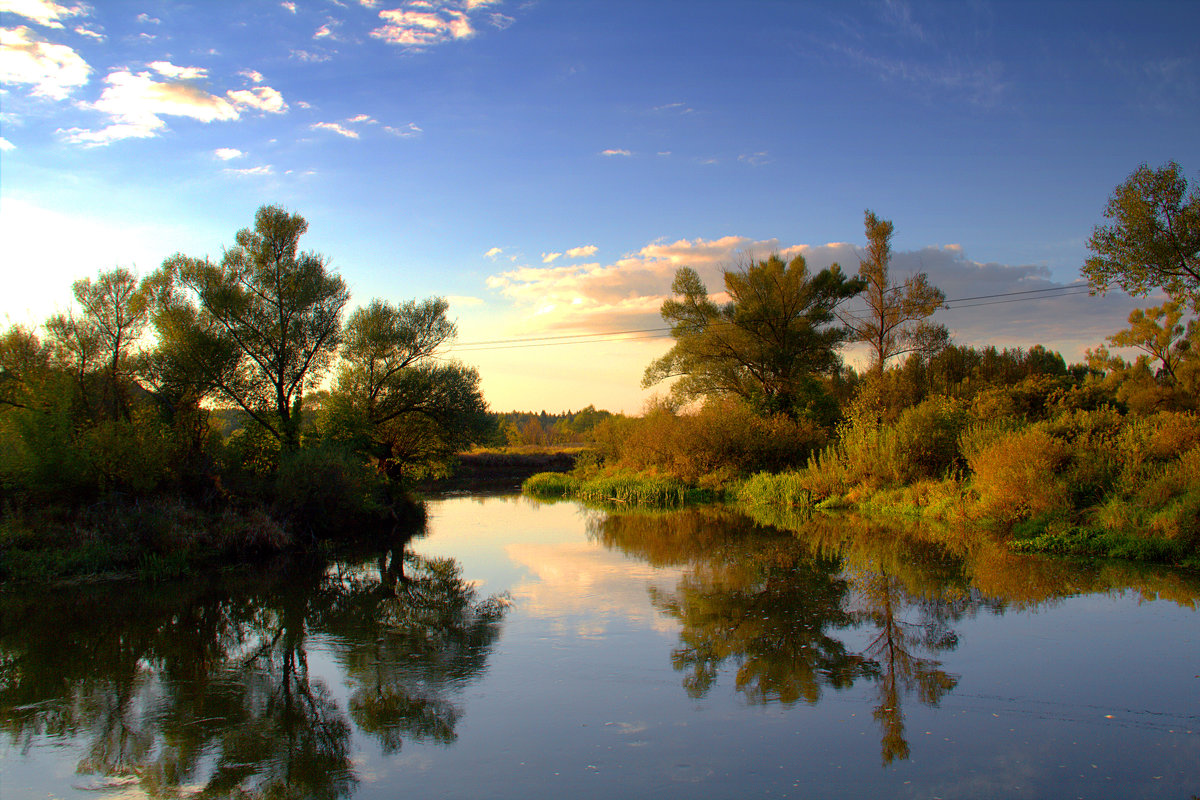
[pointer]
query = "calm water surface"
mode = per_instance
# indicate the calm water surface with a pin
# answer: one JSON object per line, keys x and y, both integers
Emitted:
{"x": 519, "y": 650}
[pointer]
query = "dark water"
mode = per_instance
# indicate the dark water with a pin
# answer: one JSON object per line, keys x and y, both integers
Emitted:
{"x": 528, "y": 651}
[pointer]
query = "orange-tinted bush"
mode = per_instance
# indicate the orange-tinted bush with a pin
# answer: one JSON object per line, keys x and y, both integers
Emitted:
{"x": 1016, "y": 476}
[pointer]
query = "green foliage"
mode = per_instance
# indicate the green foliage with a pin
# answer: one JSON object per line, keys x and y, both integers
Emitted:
{"x": 261, "y": 327}
{"x": 1153, "y": 241}
{"x": 551, "y": 484}
{"x": 392, "y": 402}
{"x": 633, "y": 489}
{"x": 869, "y": 455}
{"x": 768, "y": 345}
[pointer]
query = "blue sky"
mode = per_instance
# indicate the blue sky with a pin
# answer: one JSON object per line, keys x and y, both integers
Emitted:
{"x": 454, "y": 147}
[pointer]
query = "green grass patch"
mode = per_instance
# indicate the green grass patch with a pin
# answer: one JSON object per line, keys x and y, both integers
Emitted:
{"x": 551, "y": 484}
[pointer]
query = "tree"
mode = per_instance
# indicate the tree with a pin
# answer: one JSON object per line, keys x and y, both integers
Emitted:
{"x": 1159, "y": 333}
{"x": 1154, "y": 239}
{"x": 412, "y": 411}
{"x": 769, "y": 344}
{"x": 260, "y": 327}
{"x": 895, "y": 321}
{"x": 116, "y": 313}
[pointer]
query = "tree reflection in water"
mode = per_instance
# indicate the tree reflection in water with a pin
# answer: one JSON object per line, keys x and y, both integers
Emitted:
{"x": 209, "y": 688}
{"x": 784, "y": 605}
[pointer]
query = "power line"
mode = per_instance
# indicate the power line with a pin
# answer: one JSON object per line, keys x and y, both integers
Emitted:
{"x": 664, "y": 332}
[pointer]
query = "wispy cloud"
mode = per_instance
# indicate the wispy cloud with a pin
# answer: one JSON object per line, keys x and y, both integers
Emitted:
{"x": 228, "y": 153}
{"x": 290, "y": 6}
{"x": 326, "y": 31}
{"x": 755, "y": 159}
{"x": 548, "y": 258}
{"x": 309, "y": 57}
{"x": 335, "y": 127}
{"x": 51, "y": 70}
{"x": 493, "y": 252}
{"x": 613, "y": 151}
{"x": 265, "y": 169}
{"x": 673, "y": 108}
{"x": 136, "y": 103}
{"x": 169, "y": 70}
{"x": 89, "y": 33}
{"x": 252, "y": 75}
{"x": 146, "y": 19}
{"x": 44, "y": 12}
{"x": 361, "y": 118}
{"x": 405, "y": 131}
{"x": 582, "y": 252}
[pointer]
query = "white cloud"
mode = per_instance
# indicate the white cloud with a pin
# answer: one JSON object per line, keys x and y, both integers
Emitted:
{"x": 89, "y": 33}
{"x": 325, "y": 31}
{"x": 406, "y": 132}
{"x": 265, "y": 169}
{"x": 335, "y": 128}
{"x": 6, "y": 145}
{"x": 500, "y": 21}
{"x": 304, "y": 104}
{"x": 423, "y": 28}
{"x": 44, "y": 12}
{"x": 615, "y": 152}
{"x": 361, "y": 118}
{"x": 289, "y": 6}
{"x": 136, "y": 103}
{"x": 146, "y": 19}
{"x": 582, "y": 252}
{"x": 493, "y": 252}
{"x": 53, "y": 70}
{"x": 169, "y": 70}
{"x": 253, "y": 75}
{"x": 548, "y": 258}
{"x": 263, "y": 98}
{"x": 228, "y": 153}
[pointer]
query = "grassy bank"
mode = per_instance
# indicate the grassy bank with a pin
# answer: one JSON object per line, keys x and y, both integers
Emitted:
{"x": 620, "y": 489}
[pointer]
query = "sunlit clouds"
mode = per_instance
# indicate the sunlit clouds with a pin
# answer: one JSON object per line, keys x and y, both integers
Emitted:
{"x": 613, "y": 151}
{"x": 50, "y": 70}
{"x": 627, "y": 294}
{"x": 44, "y": 12}
{"x": 137, "y": 102}
{"x": 423, "y": 24}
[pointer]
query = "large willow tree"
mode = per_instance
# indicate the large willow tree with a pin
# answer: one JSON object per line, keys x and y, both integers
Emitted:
{"x": 768, "y": 345}
{"x": 258, "y": 328}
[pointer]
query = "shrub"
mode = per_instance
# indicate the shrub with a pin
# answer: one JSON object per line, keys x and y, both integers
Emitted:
{"x": 323, "y": 487}
{"x": 1016, "y": 476}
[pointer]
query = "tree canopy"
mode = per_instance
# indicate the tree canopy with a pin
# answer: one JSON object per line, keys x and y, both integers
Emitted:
{"x": 260, "y": 327}
{"x": 768, "y": 345}
{"x": 1153, "y": 241}
{"x": 409, "y": 411}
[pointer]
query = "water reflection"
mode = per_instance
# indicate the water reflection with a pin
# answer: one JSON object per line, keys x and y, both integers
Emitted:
{"x": 834, "y": 602}
{"x": 207, "y": 688}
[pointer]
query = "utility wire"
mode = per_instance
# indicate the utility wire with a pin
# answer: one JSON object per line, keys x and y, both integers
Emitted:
{"x": 665, "y": 332}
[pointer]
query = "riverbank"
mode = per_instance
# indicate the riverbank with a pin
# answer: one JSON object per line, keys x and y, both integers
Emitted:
{"x": 950, "y": 503}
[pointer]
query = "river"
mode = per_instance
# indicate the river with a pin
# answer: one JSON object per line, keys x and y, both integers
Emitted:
{"x": 526, "y": 650}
